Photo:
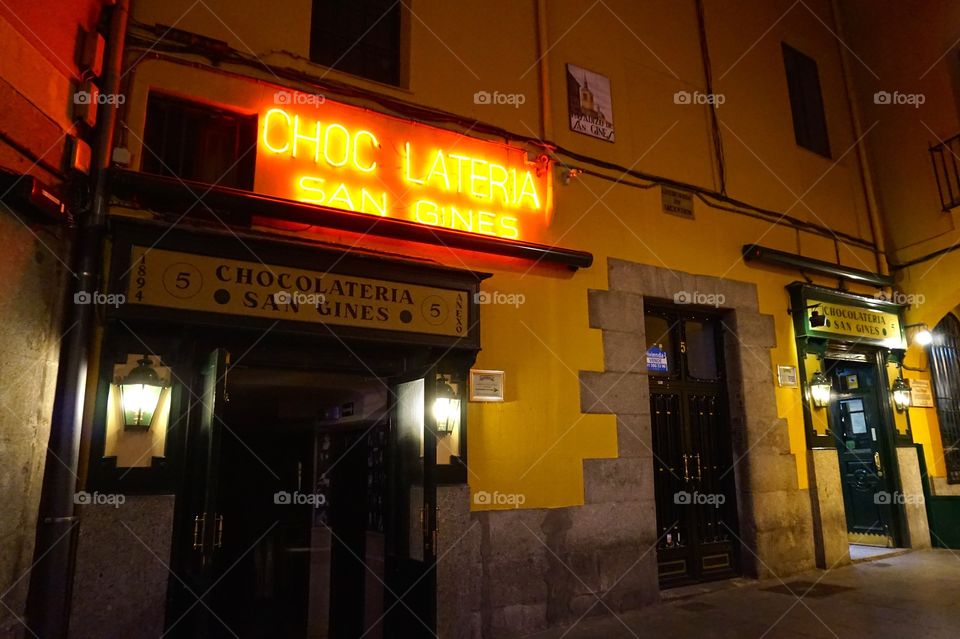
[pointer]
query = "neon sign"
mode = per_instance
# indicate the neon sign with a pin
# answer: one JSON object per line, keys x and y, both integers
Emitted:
{"x": 352, "y": 159}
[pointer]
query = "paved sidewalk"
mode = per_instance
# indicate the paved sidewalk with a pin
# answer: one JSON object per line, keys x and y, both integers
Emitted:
{"x": 916, "y": 594}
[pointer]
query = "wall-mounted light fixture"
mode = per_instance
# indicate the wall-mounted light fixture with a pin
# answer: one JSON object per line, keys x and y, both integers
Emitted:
{"x": 820, "y": 389}
{"x": 446, "y": 407}
{"x": 902, "y": 395}
{"x": 140, "y": 395}
{"x": 921, "y": 335}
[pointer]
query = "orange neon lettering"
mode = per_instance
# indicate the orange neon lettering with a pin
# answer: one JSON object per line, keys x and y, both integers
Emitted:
{"x": 448, "y": 180}
{"x": 477, "y": 176}
{"x": 499, "y": 184}
{"x": 485, "y": 222}
{"x": 341, "y": 194}
{"x": 431, "y": 216}
{"x": 460, "y": 160}
{"x": 297, "y": 135}
{"x": 466, "y": 221}
{"x": 407, "y": 161}
{"x": 346, "y": 144}
{"x": 439, "y": 172}
{"x": 529, "y": 190}
{"x": 266, "y": 130}
{"x": 310, "y": 185}
{"x": 380, "y": 208}
{"x": 374, "y": 144}
{"x": 509, "y": 225}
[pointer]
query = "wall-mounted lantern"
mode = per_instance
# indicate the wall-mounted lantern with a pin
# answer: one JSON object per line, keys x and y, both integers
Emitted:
{"x": 902, "y": 396}
{"x": 446, "y": 407}
{"x": 820, "y": 389}
{"x": 140, "y": 395}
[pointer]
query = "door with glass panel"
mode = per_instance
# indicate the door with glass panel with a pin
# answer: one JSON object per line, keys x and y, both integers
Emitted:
{"x": 866, "y": 476}
{"x": 411, "y": 520}
{"x": 693, "y": 474}
{"x": 307, "y": 517}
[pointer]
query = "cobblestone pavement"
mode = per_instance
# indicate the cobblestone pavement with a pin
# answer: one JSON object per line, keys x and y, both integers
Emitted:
{"x": 903, "y": 596}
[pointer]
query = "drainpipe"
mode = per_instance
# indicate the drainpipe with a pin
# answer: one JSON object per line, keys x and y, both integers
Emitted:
{"x": 866, "y": 175}
{"x": 718, "y": 157}
{"x": 543, "y": 49}
{"x": 51, "y": 579}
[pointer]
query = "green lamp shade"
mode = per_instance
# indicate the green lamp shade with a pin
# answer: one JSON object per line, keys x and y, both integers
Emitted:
{"x": 140, "y": 395}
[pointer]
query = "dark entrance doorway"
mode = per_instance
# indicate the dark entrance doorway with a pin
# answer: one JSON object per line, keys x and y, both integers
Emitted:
{"x": 693, "y": 476}
{"x": 303, "y": 509}
{"x": 867, "y": 474}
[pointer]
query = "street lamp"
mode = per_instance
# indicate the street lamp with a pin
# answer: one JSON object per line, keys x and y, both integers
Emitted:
{"x": 140, "y": 395}
{"x": 446, "y": 408}
{"x": 902, "y": 396}
{"x": 820, "y": 390}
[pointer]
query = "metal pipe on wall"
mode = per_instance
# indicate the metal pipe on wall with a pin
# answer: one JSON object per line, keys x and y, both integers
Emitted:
{"x": 866, "y": 175}
{"x": 48, "y": 602}
{"x": 543, "y": 49}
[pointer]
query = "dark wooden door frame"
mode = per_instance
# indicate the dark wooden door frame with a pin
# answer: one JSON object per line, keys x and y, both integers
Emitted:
{"x": 405, "y": 362}
{"x": 883, "y": 478}
{"x": 684, "y": 471}
{"x": 876, "y": 358}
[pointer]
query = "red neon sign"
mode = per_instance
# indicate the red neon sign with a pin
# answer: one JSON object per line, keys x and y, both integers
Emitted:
{"x": 356, "y": 160}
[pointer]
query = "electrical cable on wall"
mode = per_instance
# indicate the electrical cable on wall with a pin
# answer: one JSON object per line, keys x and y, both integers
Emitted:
{"x": 218, "y": 53}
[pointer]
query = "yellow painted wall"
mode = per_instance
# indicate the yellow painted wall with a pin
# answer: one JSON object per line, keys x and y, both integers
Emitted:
{"x": 535, "y": 442}
{"x": 910, "y": 48}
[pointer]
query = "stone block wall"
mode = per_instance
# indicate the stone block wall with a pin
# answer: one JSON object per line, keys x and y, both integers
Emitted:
{"x": 915, "y": 509}
{"x": 541, "y": 568}
{"x": 32, "y": 282}
{"x": 829, "y": 516}
{"x": 122, "y": 568}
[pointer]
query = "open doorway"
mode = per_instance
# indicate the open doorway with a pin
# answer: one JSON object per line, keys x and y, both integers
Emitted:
{"x": 300, "y": 515}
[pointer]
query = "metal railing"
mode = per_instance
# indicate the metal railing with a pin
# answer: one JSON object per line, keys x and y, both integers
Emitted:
{"x": 946, "y": 167}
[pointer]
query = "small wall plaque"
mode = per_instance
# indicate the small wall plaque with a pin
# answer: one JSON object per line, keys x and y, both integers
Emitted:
{"x": 787, "y": 376}
{"x": 920, "y": 394}
{"x": 676, "y": 202}
{"x": 486, "y": 386}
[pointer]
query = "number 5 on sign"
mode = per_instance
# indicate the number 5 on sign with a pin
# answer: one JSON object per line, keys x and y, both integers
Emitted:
{"x": 182, "y": 280}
